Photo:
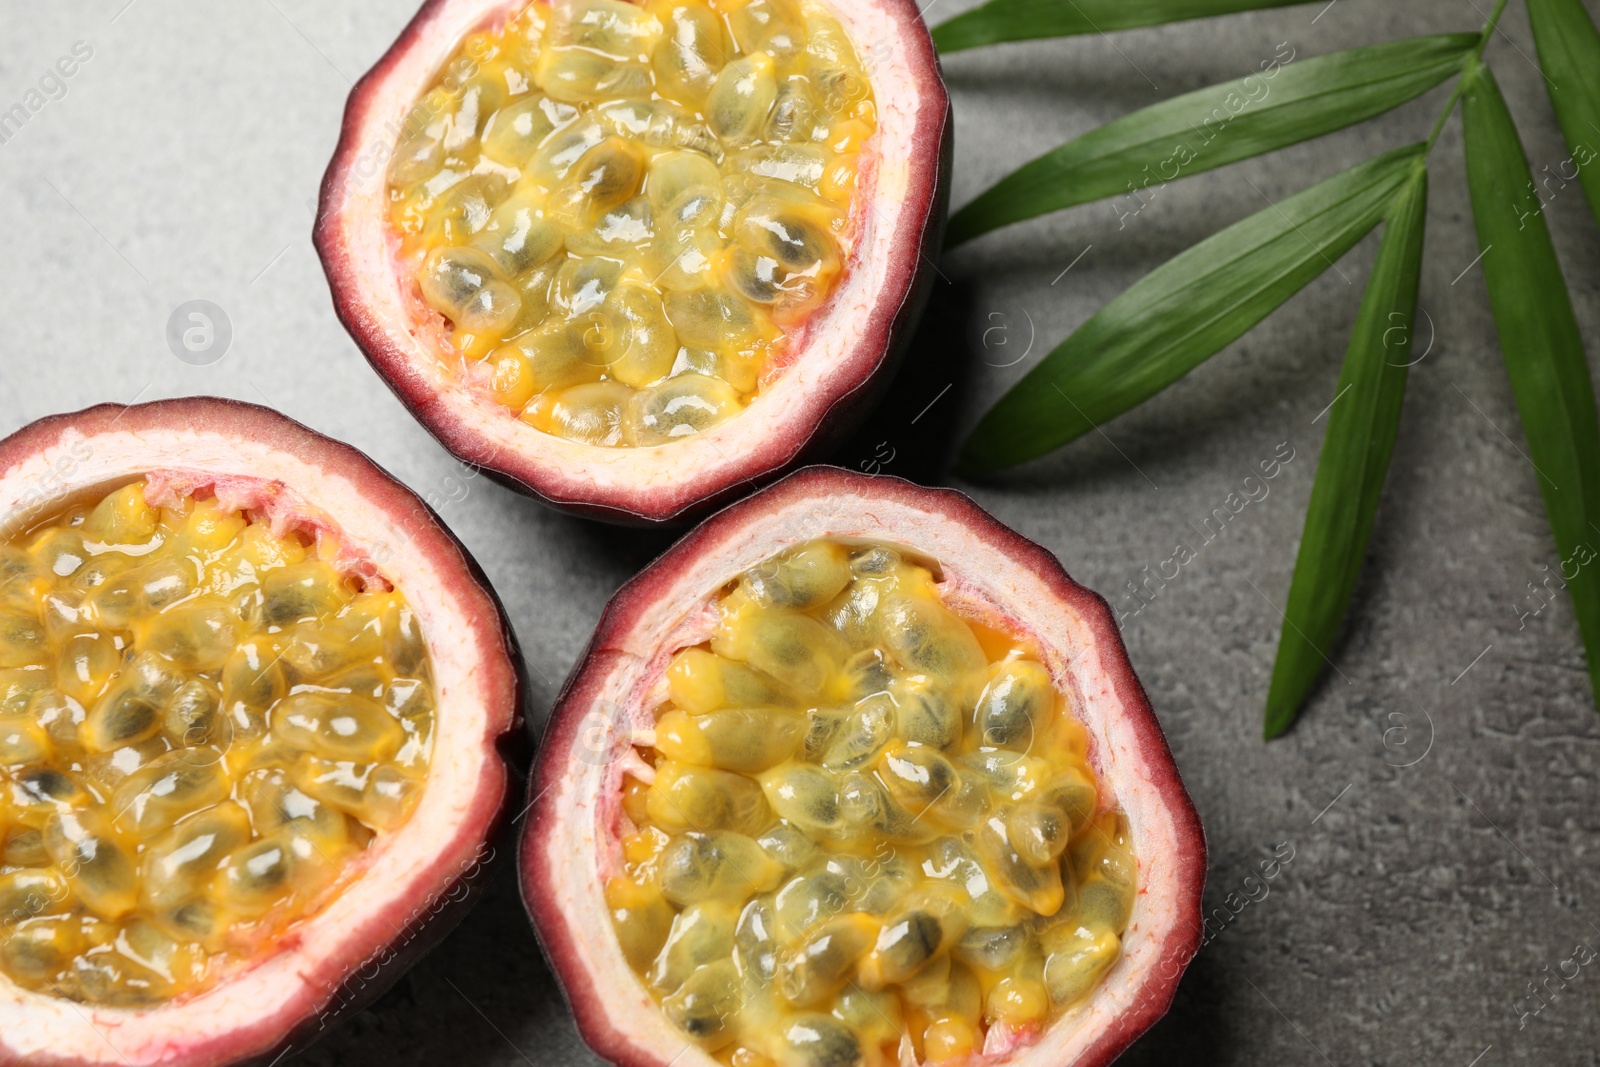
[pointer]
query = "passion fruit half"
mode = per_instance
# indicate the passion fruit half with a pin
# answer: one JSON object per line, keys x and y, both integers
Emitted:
{"x": 252, "y": 701}
{"x": 853, "y": 776}
{"x": 633, "y": 256}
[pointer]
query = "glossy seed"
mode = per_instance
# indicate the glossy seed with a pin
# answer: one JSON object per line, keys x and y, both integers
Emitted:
{"x": 252, "y": 681}
{"x": 390, "y": 796}
{"x": 650, "y": 347}
{"x": 793, "y": 238}
{"x": 800, "y": 579}
{"x": 745, "y": 740}
{"x": 709, "y": 318}
{"x": 702, "y": 933}
{"x": 788, "y": 846}
{"x": 1106, "y": 903}
{"x": 682, "y": 407}
{"x": 22, "y": 641}
{"x": 755, "y": 946}
{"x": 177, "y": 865}
{"x": 463, "y": 285}
{"x": 822, "y": 726}
{"x": 576, "y": 75}
{"x": 918, "y": 775}
{"x": 869, "y": 673}
{"x": 699, "y": 681}
{"x": 24, "y": 847}
{"x": 194, "y": 718}
{"x": 100, "y": 868}
{"x": 705, "y": 1005}
{"x": 927, "y": 715}
{"x": 42, "y": 791}
{"x": 992, "y": 948}
{"x": 741, "y": 98}
{"x": 169, "y": 787}
{"x": 807, "y": 901}
{"x": 22, "y": 742}
{"x": 337, "y": 727}
{"x": 1014, "y": 705}
{"x": 84, "y": 666}
{"x": 861, "y": 736}
{"x": 38, "y": 949}
{"x": 907, "y": 941}
{"x": 594, "y": 414}
{"x": 1035, "y": 887}
{"x": 197, "y": 636}
{"x": 684, "y": 797}
{"x": 690, "y": 53}
{"x": 804, "y": 796}
{"x": 854, "y": 615}
{"x": 698, "y": 867}
{"x": 1038, "y": 832}
{"x": 866, "y": 809}
{"x": 514, "y": 132}
{"x": 820, "y": 1041}
{"x": 816, "y": 969}
{"x": 1072, "y": 792}
{"x": 1076, "y": 966}
{"x": 301, "y": 592}
{"x": 27, "y": 893}
{"x": 325, "y": 646}
{"x": 685, "y": 186}
{"x": 925, "y": 636}
{"x": 796, "y": 650}
{"x": 642, "y": 919}
{"x": 124, "y": 716}
{"x": 275, "y": 803}
{"x": 603, "y": 178}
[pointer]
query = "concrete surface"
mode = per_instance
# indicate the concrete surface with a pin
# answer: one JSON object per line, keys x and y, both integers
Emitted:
{"x": 1440, "y": 793}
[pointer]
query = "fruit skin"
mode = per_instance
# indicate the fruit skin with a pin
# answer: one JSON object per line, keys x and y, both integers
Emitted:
{"x": 870, "y": 319}
{"x": 344, "y": 958}
{"x": 989, "y": 569}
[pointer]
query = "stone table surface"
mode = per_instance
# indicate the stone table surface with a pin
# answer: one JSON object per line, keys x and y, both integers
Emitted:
{"x": 1439, "y": 794}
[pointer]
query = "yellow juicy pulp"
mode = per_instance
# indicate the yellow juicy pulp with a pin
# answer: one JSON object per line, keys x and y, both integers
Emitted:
{"x": 623, "y": 209}
{"x": 202, "y": 725}
{"x": 870, "y": 819}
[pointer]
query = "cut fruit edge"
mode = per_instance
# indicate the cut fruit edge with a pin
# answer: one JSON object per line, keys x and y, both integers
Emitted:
{"x": 413, "y": 883}
{"x": 990, "y": 574}
{"x": 840, "y": 358}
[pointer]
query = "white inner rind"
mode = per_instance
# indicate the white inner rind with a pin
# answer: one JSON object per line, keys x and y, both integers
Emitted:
{"x": 827, "y": 349}
{"x": 403, "y": 875}
{"x": 582, "y": 849}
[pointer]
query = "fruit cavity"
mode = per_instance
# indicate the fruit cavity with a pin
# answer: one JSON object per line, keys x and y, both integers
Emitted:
{"x": 866, "y": 820}
{"x": 203, "y": 725}
{"x": 623, "y": 211}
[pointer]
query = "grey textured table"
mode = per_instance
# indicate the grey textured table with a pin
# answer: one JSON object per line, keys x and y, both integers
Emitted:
{"x": 181, "y": 161}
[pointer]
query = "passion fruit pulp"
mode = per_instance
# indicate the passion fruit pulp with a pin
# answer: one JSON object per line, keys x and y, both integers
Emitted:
{"x": 854, "y": 775}
{"x": 252, "y": 697}
{"x": 631, "y": 256}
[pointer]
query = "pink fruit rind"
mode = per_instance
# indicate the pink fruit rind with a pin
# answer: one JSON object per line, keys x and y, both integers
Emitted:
{"x": 411, "y": 886}
{"x": 838, "y": 368}
{"x": 991, "y": 573}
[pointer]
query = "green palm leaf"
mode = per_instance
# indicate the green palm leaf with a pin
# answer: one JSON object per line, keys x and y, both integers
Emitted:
{"x": 1021, "y": 20}
{"x": 1569, "y": 51}
{"x": 1362, "y": 423}
{"x": 1183, "y": 312}
{"x": 1208, "y": 128}
{"x": 1541, "y": 344}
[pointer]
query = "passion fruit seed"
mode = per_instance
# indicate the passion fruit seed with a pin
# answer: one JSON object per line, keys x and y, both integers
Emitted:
{"x": 868, "y": 818}
{"x": 690, "y": 164}
{"x": 201, "y": 723}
